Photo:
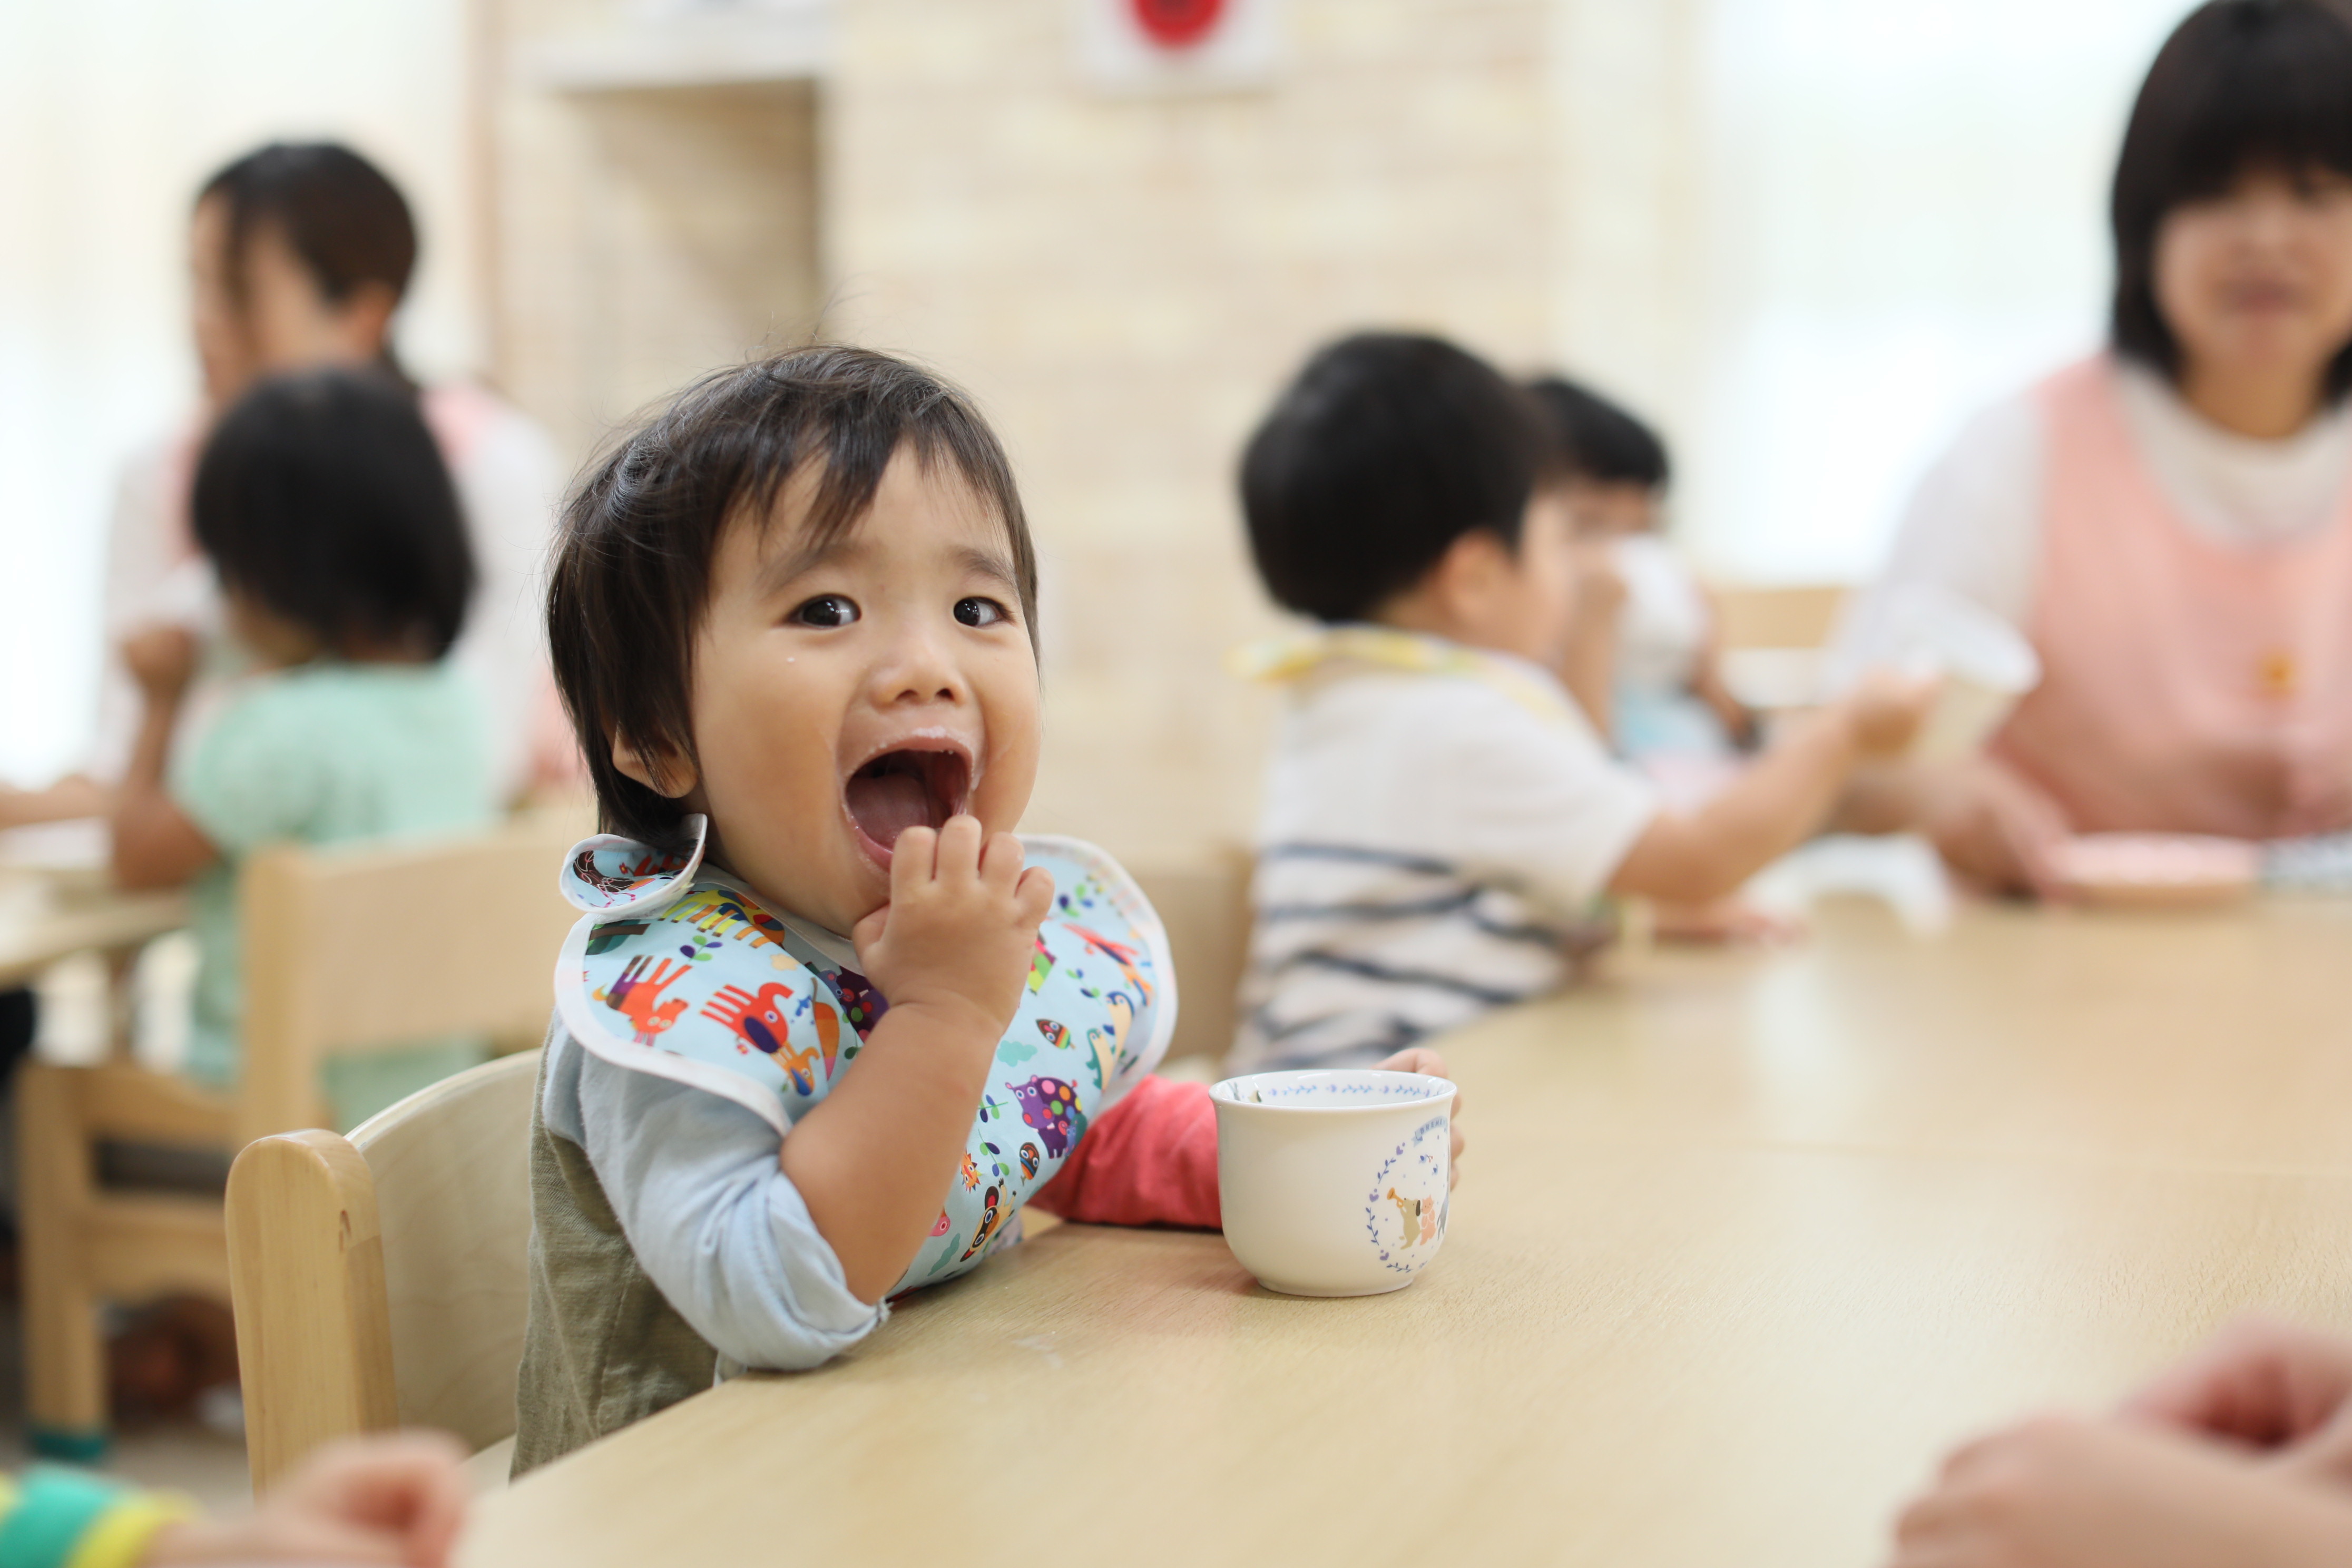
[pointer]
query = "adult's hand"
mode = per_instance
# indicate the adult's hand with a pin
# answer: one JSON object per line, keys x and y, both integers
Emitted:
{"x": 2261, "y": 1382}
{"x": 1990, "y": 824}
{"x": 2319, "y": 800}
{"x": 2272, "y": 1386}
{"x": 2059, "y": 1492}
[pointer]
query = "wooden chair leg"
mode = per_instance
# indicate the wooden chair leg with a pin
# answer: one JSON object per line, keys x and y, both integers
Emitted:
{"x": 65, "y": 1363}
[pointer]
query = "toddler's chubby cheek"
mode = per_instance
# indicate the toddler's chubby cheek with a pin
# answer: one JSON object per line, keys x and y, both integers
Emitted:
{"x": 862, "y": 905}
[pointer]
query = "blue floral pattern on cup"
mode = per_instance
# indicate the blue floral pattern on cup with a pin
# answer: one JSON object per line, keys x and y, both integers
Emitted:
{"x": 1416, "y": 1215}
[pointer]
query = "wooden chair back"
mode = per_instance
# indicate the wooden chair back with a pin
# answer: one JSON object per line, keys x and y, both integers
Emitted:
{"x": 1204, "y": 901}
{"x": 353, "y": 949}
{"x": 1795, "y": 617}
{"x": 379, "y": 1280}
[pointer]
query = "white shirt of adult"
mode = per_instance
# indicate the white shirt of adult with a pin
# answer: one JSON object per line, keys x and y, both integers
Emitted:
{"x": 509, "y": 480}
{"x": 1974, "y": 523}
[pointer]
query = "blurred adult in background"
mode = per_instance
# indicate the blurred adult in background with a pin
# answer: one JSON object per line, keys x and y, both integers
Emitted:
{"x": 299, "y": 257}
{"x": 2169, "y": 522}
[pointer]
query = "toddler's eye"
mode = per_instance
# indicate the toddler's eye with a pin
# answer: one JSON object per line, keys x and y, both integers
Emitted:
{"x": 826, "y": 610}
{"x": 978, "y": 612}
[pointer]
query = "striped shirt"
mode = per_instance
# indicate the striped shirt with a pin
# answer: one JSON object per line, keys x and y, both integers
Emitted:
{"x": 1438, "y": 821}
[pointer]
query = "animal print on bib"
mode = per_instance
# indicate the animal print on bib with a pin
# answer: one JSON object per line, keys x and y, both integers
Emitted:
{"x": 676, "y": 969}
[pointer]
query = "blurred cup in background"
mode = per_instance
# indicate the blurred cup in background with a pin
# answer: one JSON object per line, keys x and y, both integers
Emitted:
{"x": 1985, "y": 665}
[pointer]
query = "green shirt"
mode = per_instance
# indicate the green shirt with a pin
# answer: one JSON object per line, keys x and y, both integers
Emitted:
{"x": 326, "y": 753}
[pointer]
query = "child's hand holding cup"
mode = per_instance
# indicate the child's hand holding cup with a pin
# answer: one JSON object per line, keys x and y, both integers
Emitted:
{"x": 1886, "y": 711}
{"x": 1983, "y": 663}
{"x": 1336, "y": 1181}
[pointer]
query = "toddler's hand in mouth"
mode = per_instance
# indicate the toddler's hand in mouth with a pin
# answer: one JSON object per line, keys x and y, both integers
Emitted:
{"x": 962, "y": 923}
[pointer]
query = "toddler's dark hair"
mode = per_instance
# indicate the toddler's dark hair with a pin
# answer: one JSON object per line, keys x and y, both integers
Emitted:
{"x": 1386, "y": 449}
{"x": 1600, "y": 440}
{"x": 631, "y": 578}
{"x": 322, "y": 497}
{"x": 2239, "y": 84}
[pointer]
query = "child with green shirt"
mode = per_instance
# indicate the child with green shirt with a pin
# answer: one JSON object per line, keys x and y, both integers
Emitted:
{"x": 323, "y": 504}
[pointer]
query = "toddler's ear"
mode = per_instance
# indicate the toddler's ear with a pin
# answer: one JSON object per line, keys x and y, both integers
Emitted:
{"x": 659, "y": 768}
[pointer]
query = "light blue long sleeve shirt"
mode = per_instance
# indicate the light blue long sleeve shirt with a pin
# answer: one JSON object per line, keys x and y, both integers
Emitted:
{"x": 721, "y": 1231}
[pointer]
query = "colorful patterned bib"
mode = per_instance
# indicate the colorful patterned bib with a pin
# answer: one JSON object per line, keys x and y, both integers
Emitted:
{"x": 676, "y": 969}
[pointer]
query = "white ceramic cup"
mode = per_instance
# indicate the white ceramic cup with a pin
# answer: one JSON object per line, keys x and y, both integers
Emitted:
{"x": 1986, "y": 666}
{"x": 1333, "y": 1183}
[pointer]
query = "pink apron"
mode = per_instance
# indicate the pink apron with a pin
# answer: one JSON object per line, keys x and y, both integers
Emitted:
{"x": 2189, "y": 686}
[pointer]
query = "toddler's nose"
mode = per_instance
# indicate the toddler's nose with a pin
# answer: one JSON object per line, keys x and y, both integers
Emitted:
{"x": 918, "y": 670}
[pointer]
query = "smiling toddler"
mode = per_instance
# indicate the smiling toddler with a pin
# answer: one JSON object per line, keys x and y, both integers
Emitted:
{"x": 826, "y": 1025}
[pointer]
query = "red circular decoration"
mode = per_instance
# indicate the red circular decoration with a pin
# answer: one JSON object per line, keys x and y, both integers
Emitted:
{"x": 1177, "y": 24}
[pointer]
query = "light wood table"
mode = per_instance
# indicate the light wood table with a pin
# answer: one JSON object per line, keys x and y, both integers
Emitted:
{"x": 2219, "y": 1039}
{"x": 1744, "y": 1241}
{"x": 84, "y": 914}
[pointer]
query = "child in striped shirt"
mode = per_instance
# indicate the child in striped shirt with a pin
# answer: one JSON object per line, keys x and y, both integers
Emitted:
{"x": 1439, "y": 814}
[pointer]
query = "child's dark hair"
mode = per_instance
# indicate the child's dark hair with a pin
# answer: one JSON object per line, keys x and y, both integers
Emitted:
{"x": 2238, "y": 85}
{"x": 321, "y": 496}
{"x": 631, "y": 578}
{"x": 339, "y": 214}
{"x": 1386, "y": 449}
{"x": 1598, "y": 439}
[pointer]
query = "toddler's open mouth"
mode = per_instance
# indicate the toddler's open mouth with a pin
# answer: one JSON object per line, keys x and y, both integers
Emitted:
{"x": 920, "y": 785}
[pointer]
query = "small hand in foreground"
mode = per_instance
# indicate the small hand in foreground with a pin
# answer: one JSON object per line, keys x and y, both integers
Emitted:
{"x": 2059, "y": 1492}
{"x": 962, "y": 923}
{"x": 1429, "y": 1064}
{"x": 377, "y": 1500}
{"x": 162, "y": 659}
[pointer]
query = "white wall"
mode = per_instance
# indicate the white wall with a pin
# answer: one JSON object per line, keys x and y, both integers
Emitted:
{"x": 111, "y": 112}
{"x": 1903, "y": 216}
{"x": 1809, "y": 235}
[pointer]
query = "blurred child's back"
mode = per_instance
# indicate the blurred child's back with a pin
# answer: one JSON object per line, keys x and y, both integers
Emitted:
{"x": 327, "y": 754}
{"x": 323, "y": 504}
